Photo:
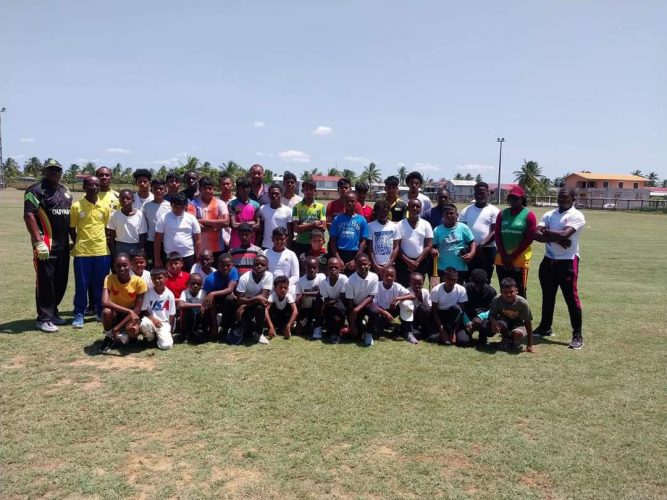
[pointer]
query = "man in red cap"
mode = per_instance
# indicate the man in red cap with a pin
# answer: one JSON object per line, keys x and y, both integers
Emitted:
{"x": 515, "y": 227}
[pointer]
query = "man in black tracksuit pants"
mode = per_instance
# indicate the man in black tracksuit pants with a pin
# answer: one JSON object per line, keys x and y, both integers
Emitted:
{"x": 46, "y": 210}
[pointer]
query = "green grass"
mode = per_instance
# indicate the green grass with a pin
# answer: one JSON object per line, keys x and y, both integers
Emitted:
{"x": 303, "y": 419}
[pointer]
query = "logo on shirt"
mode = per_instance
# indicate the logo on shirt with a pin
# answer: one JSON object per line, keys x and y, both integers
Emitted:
{"x": 159, "y": 304}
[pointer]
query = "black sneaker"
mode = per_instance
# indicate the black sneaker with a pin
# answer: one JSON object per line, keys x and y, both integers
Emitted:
{"x": 90, "y": 311}
{"x": 540, "y": 331}
{"x": 577, "y": 343}
{"x": 106, "y": 345}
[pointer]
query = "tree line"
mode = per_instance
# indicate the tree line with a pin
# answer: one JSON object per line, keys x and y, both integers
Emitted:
{"x": 529, "y": 175}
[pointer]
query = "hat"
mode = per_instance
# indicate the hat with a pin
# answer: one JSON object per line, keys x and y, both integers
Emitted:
{"x": 52, "y": 164}
{"x": 245, "y": 227}
{"x": 517, "y": 191}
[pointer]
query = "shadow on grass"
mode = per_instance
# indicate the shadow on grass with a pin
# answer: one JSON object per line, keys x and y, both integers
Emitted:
{"x": 118, "y": 349}
{"x": 19, "y": 326}
{"x": 548, "y": 340}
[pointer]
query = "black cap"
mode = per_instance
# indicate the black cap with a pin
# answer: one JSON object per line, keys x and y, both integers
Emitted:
{"x": 245, "y": 227}
{"x": 52, "y": 164}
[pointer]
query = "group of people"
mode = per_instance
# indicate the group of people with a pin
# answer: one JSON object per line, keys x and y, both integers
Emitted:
{"x": 170, "y": 263}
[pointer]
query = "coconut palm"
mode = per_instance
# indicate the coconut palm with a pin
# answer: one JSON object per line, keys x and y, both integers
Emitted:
{"x": 233, "y": 170}
{"x": 637, "y": 172}
{"x": 350, "y": 174}
{"x": 402, "y": 174}
{"x": 33, "y": 167}
{"x": 191, "y": 163}
{"x": 11, "y": 169}
{"x": 479, "y": 178}
{"x": 371, "y": 174}
{"x": 334, "y": 172}
{"x": 653, "y": 179}
{"x": 307, "y": 175}
{"x": 72, "y": 172}
{"x": 529, "y": 176}
{"x": 89, "y": 168}
{"x": 458, "y": 176}
{"x": 116, "y": 172}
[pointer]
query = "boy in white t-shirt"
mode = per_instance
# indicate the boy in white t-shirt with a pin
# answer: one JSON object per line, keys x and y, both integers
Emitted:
{"x": 191, "y": 307}
{"x": 127, "y": 226}
{"x": 448, "y": 298}
{"x": 252, "y": 294}
{"x": 308, "y": 299}
{"x": 159, "y": 307}
{"x": 384, "y": 238}
{"x": 281, "y": 310}
{"x": 204, "y": 264}
{"x": 332, "y": 291}
{"x": 179, "y": 232}
{"x": 392, "y": 299}
{"x": 361, "y": 289}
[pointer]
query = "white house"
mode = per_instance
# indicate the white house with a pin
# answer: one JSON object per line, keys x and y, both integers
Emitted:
{"x": 460, "y": 190}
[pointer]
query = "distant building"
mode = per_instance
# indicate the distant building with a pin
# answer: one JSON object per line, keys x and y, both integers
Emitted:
{"x": 594, "y": 185}
{"x": 327, "y": 186}
{"x": 504, "y": 190}
{"x": 460, "y": 190}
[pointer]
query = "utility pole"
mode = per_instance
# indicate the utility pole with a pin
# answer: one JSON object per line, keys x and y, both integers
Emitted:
{"x": 2, "y": 165}
{"x": 500, "y": 164}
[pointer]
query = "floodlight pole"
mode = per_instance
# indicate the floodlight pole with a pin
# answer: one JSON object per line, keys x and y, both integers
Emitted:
{"x": 500, "y": 164}
{"x": 2, "y": 165}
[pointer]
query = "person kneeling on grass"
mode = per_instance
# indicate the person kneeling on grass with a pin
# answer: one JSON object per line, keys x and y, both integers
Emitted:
{"x": 159, "y": 307}
{"x": 122, "y": 298}
{"x": 191, "y": 307}
{"x": 422, "y": 324}
{"x": 448, "y": 299}
{"x": 252, "y": 298}
{"x": 308, "y": 300}
{"x": 332, "y": 291}
{"x": 281, "y": 310}
{"x": 480, "y": 295}
{"x": 392, "y": 300}
{"x": 510, "y": 316}
{"x": 220, "y": 299}
{"x": 361, "y": 289}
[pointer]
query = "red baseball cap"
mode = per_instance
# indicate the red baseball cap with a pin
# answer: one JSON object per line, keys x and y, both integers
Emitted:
{"x": 517, "y": 191}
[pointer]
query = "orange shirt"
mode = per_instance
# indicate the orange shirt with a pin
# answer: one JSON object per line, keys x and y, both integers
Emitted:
{"x": 216, "y": 209}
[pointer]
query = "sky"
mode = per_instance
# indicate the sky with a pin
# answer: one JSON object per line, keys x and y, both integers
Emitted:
{"x": 294, "y": 85}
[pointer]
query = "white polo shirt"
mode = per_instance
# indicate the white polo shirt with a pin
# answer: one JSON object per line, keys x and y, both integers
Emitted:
{"x": 558, "y": 221}
{"x": 359, "y": 288}
{"x": 480, "y": 220}
{"x": 445, "y": 300}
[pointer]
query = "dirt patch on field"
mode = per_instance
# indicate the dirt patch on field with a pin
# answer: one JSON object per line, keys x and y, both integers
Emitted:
{"x": 116, "y": 363}
{"x": 236, "y": 479}
{"x": 539, "y": 482}
{"x": 16, "y": 363}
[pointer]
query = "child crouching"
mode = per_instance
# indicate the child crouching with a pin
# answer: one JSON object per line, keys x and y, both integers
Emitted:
{"x": 191, "y": 306}
{"x": 281, "y": 310}
{"x": 159, "y": 307}
{"x": 392, "y": 299}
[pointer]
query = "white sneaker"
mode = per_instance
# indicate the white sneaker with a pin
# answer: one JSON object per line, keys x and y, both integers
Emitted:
{"x": 317, "y": 333}
{"x": 368, "y": 339}
{"x": 123, "y": 338}
{"x": 263, "y": 339}
{"x": 47, "y": 326}
{"x": 218, "y": 318}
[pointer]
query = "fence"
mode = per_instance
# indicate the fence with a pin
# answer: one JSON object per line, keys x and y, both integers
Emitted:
{"x": 605, "y": 203}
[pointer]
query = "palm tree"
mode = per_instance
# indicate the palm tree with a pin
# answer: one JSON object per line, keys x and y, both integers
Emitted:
{"x": 162, "y": 172}
{"x": 478, "y": 178}
{"x": 334, "y": 172}
{"x": 126, "y": 176}
{"x": 402, "y": 174}
{"x": 307, "y": 175}
{"x": 116, "y": 172}
{"x": 371, "y": 174}
{"x": 350, "y": 174}
{"x": 33, "y": 167}
{"x": 637, "y": 172}
{"x": 233, "y": 170}
{"x": 468, "y": 177}
{"x": 529, "y": 176}
{"x": 458, "y": 176}
{"x": 191, "y": 163}
{"x": 653, "y": 179}
{"x": 72, "y": 172}
{"x": 89, "y": 168}
{"x": 11, "y": 169}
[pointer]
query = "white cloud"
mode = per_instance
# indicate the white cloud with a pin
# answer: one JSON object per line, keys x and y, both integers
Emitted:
{"x": 258, "y": 124}
{"x": 474, "y": 167}
{"x": 362, "y": 160}
{"x": 27, "y": 139}
{"x": 121, "y": 151}
{"x": 429, "y": 167}
{"x": 294, "y": 156}
{"x": 323, "y": 130}
{"x": 259, "y": 153}
{"x": 170, "y": 161}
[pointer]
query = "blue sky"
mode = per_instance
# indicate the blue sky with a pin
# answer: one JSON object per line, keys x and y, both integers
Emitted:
{"x": 295, "y": 85}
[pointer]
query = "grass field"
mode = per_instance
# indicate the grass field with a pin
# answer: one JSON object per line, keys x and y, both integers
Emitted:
{"x": 305, "y": 419}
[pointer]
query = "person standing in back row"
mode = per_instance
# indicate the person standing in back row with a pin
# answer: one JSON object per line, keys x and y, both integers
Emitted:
{"x": 414, "y": 181}
{"x": 46, "y": 210}
{"x": 481, "y": 219}
{"x": 515, "y": 227}
{"x": 560, "y": 229}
